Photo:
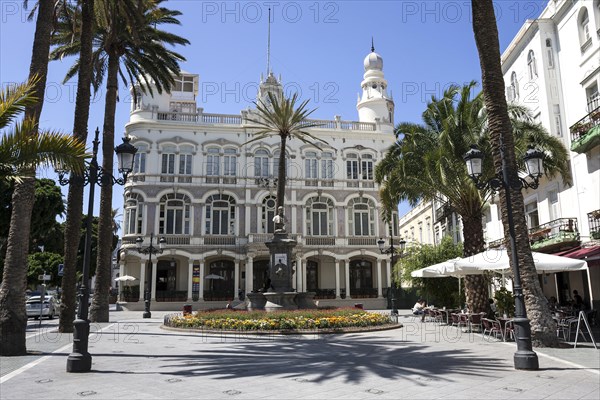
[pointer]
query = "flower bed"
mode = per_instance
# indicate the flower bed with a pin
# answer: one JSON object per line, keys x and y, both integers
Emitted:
{"x": 229, "y": 320}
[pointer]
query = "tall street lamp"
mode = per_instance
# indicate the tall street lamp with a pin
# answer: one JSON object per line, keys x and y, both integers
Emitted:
{"x": 525, "y": 357}
{"x": 392, "y": 251}
{"x": 80, "y": 359}
{"x": 150, "y": 249}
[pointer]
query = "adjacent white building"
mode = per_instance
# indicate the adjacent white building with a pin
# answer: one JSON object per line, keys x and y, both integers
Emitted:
{"x": 211, "y": 196}
{"x": 553, "y": 67}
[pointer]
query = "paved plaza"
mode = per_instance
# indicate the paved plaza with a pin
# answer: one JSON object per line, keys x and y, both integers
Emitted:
{"x": 133, "y": 358}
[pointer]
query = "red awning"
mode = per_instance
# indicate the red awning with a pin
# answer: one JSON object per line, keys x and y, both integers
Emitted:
{"x": 586, "y": 253}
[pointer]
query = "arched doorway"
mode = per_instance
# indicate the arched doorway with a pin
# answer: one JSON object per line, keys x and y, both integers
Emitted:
{"x": 220, "y": 281}
{"x": 361, "y": 279}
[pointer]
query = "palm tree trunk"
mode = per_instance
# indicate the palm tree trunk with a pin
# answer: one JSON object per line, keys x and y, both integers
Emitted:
{"x": 501, "y": 137}
{"x": 99, "y": 307}
{"x": 75, "y": 196}
{"x": 13, "y": 317}
{"x": 476, "y": 286}
{"x": 281, "y": 172}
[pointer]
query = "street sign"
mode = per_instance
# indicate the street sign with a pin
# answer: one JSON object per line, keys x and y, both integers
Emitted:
{"x": 61, "y": 269}
{"x": 45, "y": 277}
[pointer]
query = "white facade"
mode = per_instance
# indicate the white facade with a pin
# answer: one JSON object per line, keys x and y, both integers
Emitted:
{"x": 552, "y": 66}
{"x": 211, "y": 195}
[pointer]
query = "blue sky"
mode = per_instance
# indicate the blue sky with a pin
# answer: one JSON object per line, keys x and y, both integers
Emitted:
{"x": 317, "y": 46}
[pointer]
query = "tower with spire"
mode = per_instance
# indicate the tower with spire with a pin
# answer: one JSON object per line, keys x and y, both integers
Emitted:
{"x": 375, "y": 104}
{"x": 271, "y": 83}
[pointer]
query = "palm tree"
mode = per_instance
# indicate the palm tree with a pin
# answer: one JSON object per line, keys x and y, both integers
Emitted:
{"x": 131, "y": 47}
{"x": 22, "y": 150}
{"x": 12, "y": 318}
{"x": 427, "y": 163}
{"x": 75, "y": 29}
{"x": 280, "y": 117}
{"x": 486, "y": 38}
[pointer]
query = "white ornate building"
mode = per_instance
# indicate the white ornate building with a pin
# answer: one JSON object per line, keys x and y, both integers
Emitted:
{"x": 212, "y": 197}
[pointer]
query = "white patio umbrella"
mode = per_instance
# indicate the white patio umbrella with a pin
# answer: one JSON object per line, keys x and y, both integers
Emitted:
{"x": 125, "y": 278}
{"x": 440, "y": 270}
{"x": 214, "y": 276}
{"x": 498, "y": 260}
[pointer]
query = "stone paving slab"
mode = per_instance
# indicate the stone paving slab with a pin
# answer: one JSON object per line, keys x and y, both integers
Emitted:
{"x": 134, "y": 358}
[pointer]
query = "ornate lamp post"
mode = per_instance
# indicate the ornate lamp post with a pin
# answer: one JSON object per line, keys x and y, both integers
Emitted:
{"x": 392, "y": 251}
{"x": 80, "y": 359}
{"x": 525, "y": 357}
{"x": 150, "y": 249}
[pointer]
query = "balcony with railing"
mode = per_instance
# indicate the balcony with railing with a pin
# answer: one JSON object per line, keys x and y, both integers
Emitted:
{"x": 560, "y": 234}
{"x": 202, "y": 118}
{"x": 585, "y": 133}
{"x": 594, "y": 224}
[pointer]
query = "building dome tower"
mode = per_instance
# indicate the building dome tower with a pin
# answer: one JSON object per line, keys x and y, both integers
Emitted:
{"x": 375, "y": 103}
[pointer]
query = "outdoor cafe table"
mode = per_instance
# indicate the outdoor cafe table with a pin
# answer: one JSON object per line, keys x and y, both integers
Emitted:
{"x": 503, "y": 323}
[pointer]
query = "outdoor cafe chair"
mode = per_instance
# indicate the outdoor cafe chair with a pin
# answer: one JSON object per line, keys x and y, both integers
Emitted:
{"x": 509, "y": 330}
{"x": 455, "y": 319}
{"x": 475, "y": 320}
{"x": 491, "y": 327}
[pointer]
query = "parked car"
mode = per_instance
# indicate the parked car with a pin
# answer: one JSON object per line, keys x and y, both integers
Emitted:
{"x": 37, "y": 309}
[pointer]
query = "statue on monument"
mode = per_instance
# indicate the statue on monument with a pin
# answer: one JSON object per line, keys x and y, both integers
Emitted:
{"x": 279, "y": 221}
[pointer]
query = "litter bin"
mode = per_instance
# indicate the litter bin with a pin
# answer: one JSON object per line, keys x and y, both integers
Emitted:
{"x": 187, "y": 309}
{"x": 359, "y": 306}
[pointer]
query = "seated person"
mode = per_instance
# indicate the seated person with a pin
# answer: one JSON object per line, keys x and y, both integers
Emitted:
{"x": 577, "y": 301}
{"x": 492, "y": 309}
{"x": 552, "y": 303}
{"x": 419, "y": 309}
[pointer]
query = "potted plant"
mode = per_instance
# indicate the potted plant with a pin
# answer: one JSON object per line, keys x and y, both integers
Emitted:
{"x": 505, "y": 302}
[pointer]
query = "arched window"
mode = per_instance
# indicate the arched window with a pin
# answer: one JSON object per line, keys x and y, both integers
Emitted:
{"x": 585, "y": 38}
{"x": 213, "y": 165}
{"x": 139, "y": 160}
{"x": 310, "y": 165}
{"x": 531, "y": 65}
{"x": 327, "y": 165}
{"x": 549, "y": 53}
{"x": 319, "y": 216}
{"x": 168, "y": 163}
{"x": 134, "y": 208}
{"x": 220, "y": 215}
{"x": 513, "y": 89}
{"x": 230, "y": 165}
{"x": 361, "y": 217}
{"x": 261, "y": 163}
{"x": 174, "y": 216}
{"x": 267, "y": 214}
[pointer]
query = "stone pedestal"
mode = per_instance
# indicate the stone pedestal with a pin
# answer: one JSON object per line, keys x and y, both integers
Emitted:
{"x": 305, "y": 300}
{"x": 257, "y": 301}
{"x": 280, "y": 268}
{"x": 280, "y": 301}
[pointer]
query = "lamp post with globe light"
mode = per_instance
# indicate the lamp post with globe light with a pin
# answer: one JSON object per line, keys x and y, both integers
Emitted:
{"x": 525, "y": 357}
{"x": 80, "y": 359}
{"x": 150, "y": 249}
{"x": 391, "y": 250}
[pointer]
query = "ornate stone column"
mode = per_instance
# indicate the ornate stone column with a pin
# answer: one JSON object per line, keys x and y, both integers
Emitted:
{"x": 347, "y": 265}
{"x": 142, "y": 279}
{"x": 190, "y": 275}
{"x": 379, "y": 280}
{"x": 153, "y": 280}
{"x": 337, "y": 278}
{"x": 249, "y": 273}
